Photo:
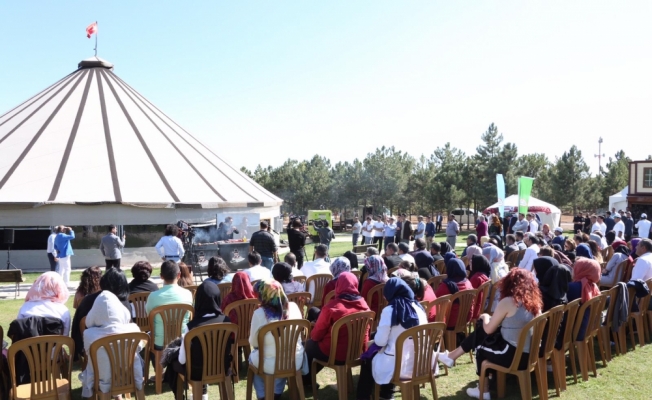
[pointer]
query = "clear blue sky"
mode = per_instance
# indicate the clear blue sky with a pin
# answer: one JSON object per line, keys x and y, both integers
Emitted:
{"x": 263, "y": 81}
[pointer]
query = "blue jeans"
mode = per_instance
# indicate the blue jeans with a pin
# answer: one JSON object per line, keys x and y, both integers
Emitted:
{"x": 54, "y": 265}
{"x": 268, "y": 262}
{"x": 259, "y": 386}
{"x": 355, "y": 238}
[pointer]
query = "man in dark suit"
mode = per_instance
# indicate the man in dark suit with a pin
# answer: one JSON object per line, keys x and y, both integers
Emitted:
{"x": 406, "y": 229}
{"x": 439, "y": 221}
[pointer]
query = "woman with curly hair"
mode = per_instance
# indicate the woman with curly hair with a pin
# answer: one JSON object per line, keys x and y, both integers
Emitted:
{"x": 90, "y": 283}
{"x": 495, "y": 337}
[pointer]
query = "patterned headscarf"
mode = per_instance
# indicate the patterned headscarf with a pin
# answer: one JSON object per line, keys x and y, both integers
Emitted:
{"x": 49, "y": 286}
{"x": 339, "y": 265}
{"x": 272, "y": 298}
{"x": 376, "y": 268}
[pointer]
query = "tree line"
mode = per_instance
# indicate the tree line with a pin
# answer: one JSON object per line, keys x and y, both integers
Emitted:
{"x": 446, "y": 179}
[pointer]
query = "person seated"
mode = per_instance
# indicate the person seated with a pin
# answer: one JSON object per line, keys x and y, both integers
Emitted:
{"x": 511, "y": 244}
{"x": 208, "y": 310}
{"x": 141, "y": 272}
{"x": 170, "y": 293}
{"x": 218, "y": 272}
{"x": 337, "y": 267}
{"x": 445, "y": 248}
{"x": 422, "y": 292}
{"x": 402, "y": 312}
{"x": 282, "y": 273}
{"x": 107, "y": 317}
{"x": 546, "y": 251}
{"x": 559, "y": 238}
{"x": 347, "y": 300}
{"x": 256, "y": 270}
{"x": 480, "y": 273}
{"x": 643, "y": 268}
{"x": 47, "y": 298}
{"x": 532, "y": 252}
{"x": 404, "y": 252}
{"x": 435, "y": 251}
{"x": 274, "y": 306}
{"x": 583, "y": 251}
{"x": 496, "y": 258}
{"x": 586, "y": 276}
{"x": 423, "y": 259}
{"x": 597, "y": 253}
{"x": 377, "y": 274}
{"x": 353, "y": 259}
{"x": 391, "y": 257}
{"x": 455, "y": 281}
{"x": 291, "y": 259}
{"x": 89, "y": 284}
{"x": 553, "y": 282}
{"x": 471, "y": 246}
{"x": 185, "y": 277}
{"x": 114, "y": 281}
{"x": 241, "y": 289}
{"x": 569, "y": 249}
{"x": 319, "y": 265}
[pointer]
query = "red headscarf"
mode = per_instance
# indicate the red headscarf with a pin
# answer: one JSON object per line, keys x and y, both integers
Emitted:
{"x": 347, "y": 286}
{"x": 587, "y": 271}
{"x": 241, "y": 289}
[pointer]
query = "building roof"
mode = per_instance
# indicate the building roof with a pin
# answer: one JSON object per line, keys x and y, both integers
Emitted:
{"x": 91, "y": 138}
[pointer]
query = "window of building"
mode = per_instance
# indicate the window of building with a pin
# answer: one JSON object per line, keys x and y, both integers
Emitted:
{"x": 647, "y": 177}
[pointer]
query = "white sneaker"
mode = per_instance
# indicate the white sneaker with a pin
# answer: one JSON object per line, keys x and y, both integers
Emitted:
{"x": 447, "y": 361}
{"x": 204, "y": 396}
{"x": 475, "y": 393}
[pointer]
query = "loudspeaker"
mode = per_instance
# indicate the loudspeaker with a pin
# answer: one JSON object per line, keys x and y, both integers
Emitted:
{"x": 9, "y": 236}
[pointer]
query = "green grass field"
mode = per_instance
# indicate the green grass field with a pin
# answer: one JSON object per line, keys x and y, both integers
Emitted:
{"x": 623, "y": 378}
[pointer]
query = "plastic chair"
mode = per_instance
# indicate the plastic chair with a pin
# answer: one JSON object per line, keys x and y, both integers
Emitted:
{"x": 606, "y": 328}
{"x": 356, "y": 272}
{"x": 620, "y": 269}
{"x": 225, "y": 289}
{"x": 442, "y": 305}
{"x": 357, "y": 325}
{"x": 559, "y": 355}
{"x": 4, "y": 379}
{"x": 427, "y": 306}
{"x": 328, "y": 297}
{"x": 121, "y": 352}
{"x": 392, "y": 270}
{"x": 478, "y": 304}
{"x": 638, "y": 317}
{"x": 466, "y": 261}
{"x": 585, "y": 353}
{"x": 244, "y": 310}
{"x": 537, "y": 326}
{"x": 441, "y": 266}
{"x": 286, "y": 335}
{"x": 425, "y": 338}
{"x": 138, "y": 302}
{"x": 172, "y": 322}
{"x": 193, "y": 290}
{"x": 301, "y": 299}
{"x": 213, "y": 339}
{"x": 435, "y": 281}
{"x": 300, "y": 279}
{"x": 83, "y": 357}
{"x": 607, "y": 253}
{"x": 490, "y": 299}
{"x": 465, "y": 299}
{"x": 377, "y": 291}
{"x": 45, "y": 356}
{"x": 319, "y": 281}
{"x": 512, "y": 259}
{"x": 555, "y": 316}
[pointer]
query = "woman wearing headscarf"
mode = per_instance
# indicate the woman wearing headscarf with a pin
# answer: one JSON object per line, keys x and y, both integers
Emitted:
{"x": 402, "y": 312}
{"x": 449, "y": 256}
{"x": 89, "y": 284}
{"x": 496, "y": 258}
{"x": 621, "y": 253}
{"x": 480, "y": 273}
{"x": 583, "y": 250}
{"x": 274, "y": 306}
{"x": 632, "y": 246}
{"x": 553, "y": 281}
{"x": 241, "y": 289}
{"x": 208, "y": 310}
{"x": 338, "y": 266}
{"x": 445, "y": 248}
{"x": 586, "y": 276}
{"x": 455, "y": 281}
{"x": 347, "y": 300}
{"x": 499, "y": 241}
{"x": 47, "y": 298}
{"x": 377, "y": 274}
{"x": 422, "y": 291}
{"x": 473, "y": 250}
{"x": 282, "y": 272}
{"x": 496, "y": 228}
{"x": 107, "y": 317}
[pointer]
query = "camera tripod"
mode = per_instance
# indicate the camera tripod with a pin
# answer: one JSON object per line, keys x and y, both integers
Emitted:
{"x": 9, "y": 264}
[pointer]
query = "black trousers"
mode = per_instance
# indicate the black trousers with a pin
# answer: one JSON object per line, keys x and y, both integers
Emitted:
{"x": 438, "y": 227}
{"x": 113, "y": 264}
{"x": 313, "y": 352}
{"x": 300, "y": 255}
{"x": 54, "y": 265}
{"x": 367, "y": 385}
{"x": 379, "y": 240}
{"x": 492, "y": 347}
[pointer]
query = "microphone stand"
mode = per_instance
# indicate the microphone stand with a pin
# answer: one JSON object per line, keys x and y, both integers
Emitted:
{"x": 9, "y": 264}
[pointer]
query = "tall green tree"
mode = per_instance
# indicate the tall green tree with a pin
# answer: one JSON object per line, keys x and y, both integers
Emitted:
{"x": 616, "y": 174}
{"x": 570, "y": 178}
{"x": 493, "y": 158}
{"x": 449, "y": 164}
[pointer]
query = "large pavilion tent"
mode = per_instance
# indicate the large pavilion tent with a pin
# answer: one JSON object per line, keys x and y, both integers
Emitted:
{"x": 548, "y": 213}
{"x": 91, "y": 150}
{"x": 619, "y": 200}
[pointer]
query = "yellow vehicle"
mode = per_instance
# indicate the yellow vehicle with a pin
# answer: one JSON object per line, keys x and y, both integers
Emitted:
{"x": 316, "y": 218}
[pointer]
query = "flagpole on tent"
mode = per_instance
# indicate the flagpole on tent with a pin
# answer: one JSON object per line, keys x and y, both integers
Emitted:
{"x": 96, "y": 39}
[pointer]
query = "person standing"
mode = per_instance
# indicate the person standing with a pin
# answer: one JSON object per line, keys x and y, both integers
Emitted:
{"x": 440, "y": 220}
{"x": 532, "y": 252}
{"x": 63, "y": 247}
{"x": 406, "y": 229}
{"x": 399, "y": 226}
{"x": 533, "y": 224}
{"x": 366, "y": 231}
{"x": 111, "y": 247}
{"x": 602, "y": 225}
{"x": 169, "y": 247}
{"x": 378, "y": 232}
{"x": 452, "y": 230}
{"x": 326, "y": 235}
{"x": 264, "y": 244}
{"x": 619, "y": 227}
{"x": 643, "y": 226}
{"x": 430, "y": 231}
{"x": 297, "y": 241}
{"x": 420, "y": 232}
{"x": 390, "y": 231}
{"x": 610, "y": 221}
{"x": 356, "y": 229}
{"x": 521, "y": 224}
{"x": 482, "y": 228}
{"x": 52, "y": 253}
{"x": 629, "y": 226}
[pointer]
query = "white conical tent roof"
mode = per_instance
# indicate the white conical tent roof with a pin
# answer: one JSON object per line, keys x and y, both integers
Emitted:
{"x": 91, "y": 138}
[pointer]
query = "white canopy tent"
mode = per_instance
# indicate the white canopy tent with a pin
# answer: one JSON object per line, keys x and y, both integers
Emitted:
{"x": 90, "y": 150}
{"x": 548, "y": 213}
{"x": 619, "y": 200}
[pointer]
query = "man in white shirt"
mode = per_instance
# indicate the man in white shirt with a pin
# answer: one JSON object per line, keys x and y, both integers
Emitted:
{"x": 390, "y": 231}
{"x": 603, "y": 226}
{"x": 532, "y": 223}
{"x": 532, "y": 252}
{"x": 421, "y": 228}
{"x": 52, "y": 253}
{"x": 643, "y": 226}
{"x": 318, "y": 266}
{"x": 403, "y": 252}
{"x": 170, "y": 246}
{"x": 595, "y": 226}
{"x": 256, "y": 271}
{"x": 378, "y": 232}
{"x": 643, "y": 264}
{"x": 356, "y": 229}
{"x": 367, "y": 226}
{"x": 520, "y": 225}
{"x": 619, "y": 227}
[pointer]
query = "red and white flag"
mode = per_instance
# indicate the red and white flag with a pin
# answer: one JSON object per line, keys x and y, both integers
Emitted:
{"x": 91, "y": 29}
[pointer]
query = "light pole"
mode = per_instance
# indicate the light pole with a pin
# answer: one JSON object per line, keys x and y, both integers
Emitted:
{"x": 600, "y": 155}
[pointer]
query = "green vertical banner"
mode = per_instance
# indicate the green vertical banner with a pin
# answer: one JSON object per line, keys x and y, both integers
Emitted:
{"x": 524, "y": 190}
